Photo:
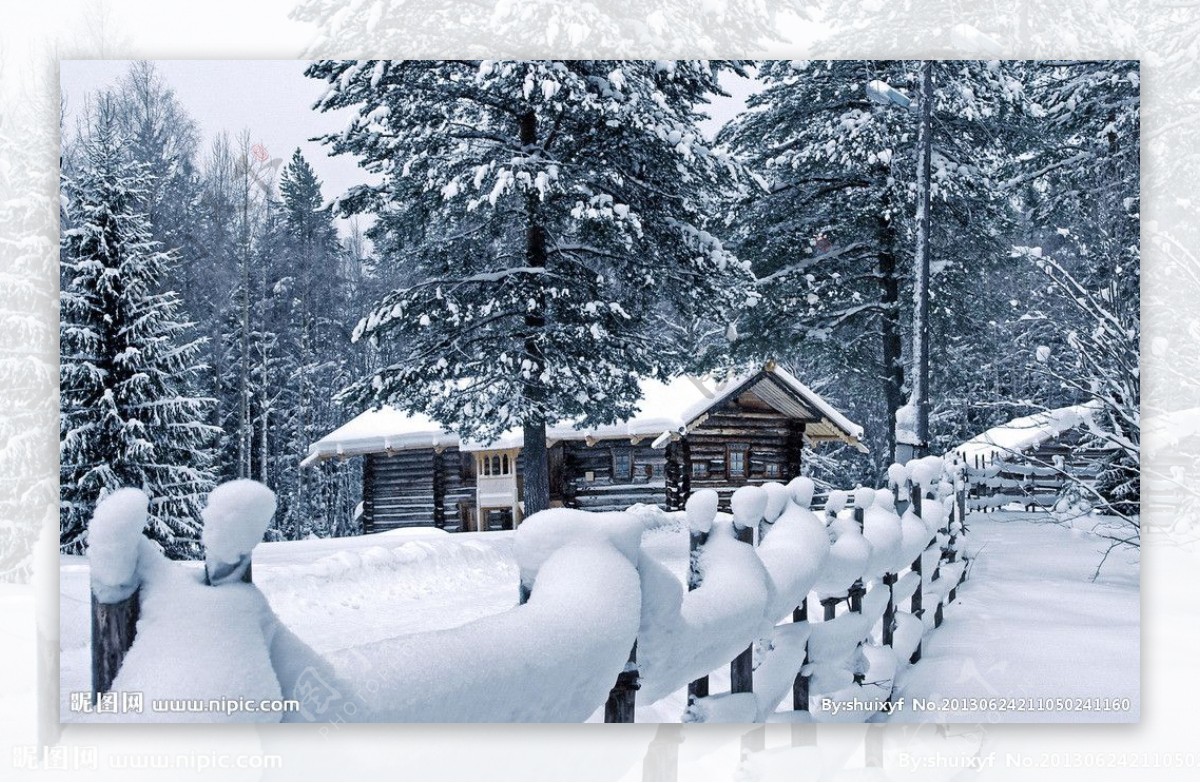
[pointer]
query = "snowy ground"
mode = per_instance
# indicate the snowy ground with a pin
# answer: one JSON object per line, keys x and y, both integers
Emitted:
{"x": 1028, "y": 623}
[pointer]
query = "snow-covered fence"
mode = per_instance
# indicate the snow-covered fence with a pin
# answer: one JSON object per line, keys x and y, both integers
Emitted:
{"x": 602, "y": 622}
{"x": 750, "y": 577}
{"x": 235, "y": 519}
{"x": 996, "y": 483}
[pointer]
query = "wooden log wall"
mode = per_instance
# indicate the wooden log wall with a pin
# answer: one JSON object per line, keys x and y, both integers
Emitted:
{"x": 454, "y": 487}
{"x": 398, "y": 490}
{"x": 604, "y": 491}
{"x": 772, "y": 442}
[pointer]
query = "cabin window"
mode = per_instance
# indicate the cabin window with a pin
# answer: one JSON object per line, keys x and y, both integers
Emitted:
{"x": 466, "y": 466}
{"x": 496, "y": 466}
{"x": 700, "y": 470}
{"x": 735, "y": 461}
{"x": 771, "y": 470}
{"x": 622, "y": 464}
{"x": 504, "y": 467}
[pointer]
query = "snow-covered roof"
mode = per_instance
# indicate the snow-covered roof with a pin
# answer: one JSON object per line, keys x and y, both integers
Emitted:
{"x": 665, "y": 410}
{"x": 1027, "y": 432}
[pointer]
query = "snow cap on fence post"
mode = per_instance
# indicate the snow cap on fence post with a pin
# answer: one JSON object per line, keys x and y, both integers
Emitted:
{"x": 802, "y": 489}
{"x": 777, "y": 498}
{"x": 701, "y": 510}
{"x": 835, "y": 502}
{"x": 897, "y": 476}
{"x": 864, "y": 497}
{"x": 114, "y": 538}
{"x": 235, "y": 519}
{"x": 881, "y": 528}
{"x": 748, "y": 505}
{"x": 925, "y": 472}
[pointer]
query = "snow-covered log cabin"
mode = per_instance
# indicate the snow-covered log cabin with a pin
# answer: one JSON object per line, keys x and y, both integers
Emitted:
{"x": 688, "y": 434}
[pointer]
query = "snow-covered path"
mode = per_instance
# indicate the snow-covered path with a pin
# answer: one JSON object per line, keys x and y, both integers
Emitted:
{"x": 1029, "y": 623}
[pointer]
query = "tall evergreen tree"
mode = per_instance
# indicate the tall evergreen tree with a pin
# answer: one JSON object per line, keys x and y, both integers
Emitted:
{"x": 127, "y": 415}
{"x": 551, "y": 218}
{"x": 830, "y": 231}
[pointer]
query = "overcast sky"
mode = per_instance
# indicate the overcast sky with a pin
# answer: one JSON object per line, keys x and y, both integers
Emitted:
{"x": 273, "y": 100}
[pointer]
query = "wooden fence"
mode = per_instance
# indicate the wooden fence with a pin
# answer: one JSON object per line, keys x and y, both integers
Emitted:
{"x": 934, "y": 574}
{"x": 944, "y": 550}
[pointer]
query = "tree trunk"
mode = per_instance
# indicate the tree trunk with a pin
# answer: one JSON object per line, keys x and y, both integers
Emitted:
{"x": 537, "y": 456}
{"x": 920, "y": 380}
{"x": 893, "y": 369}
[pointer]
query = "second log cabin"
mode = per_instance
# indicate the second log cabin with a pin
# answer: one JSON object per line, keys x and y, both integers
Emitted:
{"x": 688, "y": 434}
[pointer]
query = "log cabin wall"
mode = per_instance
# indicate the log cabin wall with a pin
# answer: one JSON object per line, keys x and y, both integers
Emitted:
{"x": 612, "y": 475}
{"x": 743, "y": 441}
{"x": 454, "y": 488}
{"x": 398, "y": 490}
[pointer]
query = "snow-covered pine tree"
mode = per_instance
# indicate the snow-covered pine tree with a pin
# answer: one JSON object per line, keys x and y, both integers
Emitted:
{"x": 830, "y": 231}
{"x": 550, "y": 216}
{"x": 309, "y": 311}
{"x": 127, "y": 417}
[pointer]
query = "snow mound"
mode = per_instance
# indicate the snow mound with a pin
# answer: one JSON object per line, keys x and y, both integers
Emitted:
{"x": 200, "y": 643}
{"x": 748, "y": 504}
{"x": 1026, "y": 432}
{"x": 847, "y": 562}
{"x": 542, "y": 534}
{"x": 881, "y": 527}
{"x": 835, "y": 502}
{"x": 702, "y": 510}
{"x": 553, "y": 659}
{"x": 802, "y": 489}
{"x": 777, "y": 500}
{"x": 235, "y": 519}
{"x": 794, "y": 556}
{"x": 864, "y": 497}
{"x": 114, "y": 538}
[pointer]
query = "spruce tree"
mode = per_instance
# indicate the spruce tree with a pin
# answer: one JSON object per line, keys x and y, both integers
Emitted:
{"x": 549, "y": 218}
{"x": 830, "y": 228}
{"x": 127, "y": 416}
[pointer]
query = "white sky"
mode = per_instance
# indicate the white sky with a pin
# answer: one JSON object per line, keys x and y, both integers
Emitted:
{"x": 273, "y": 100}
{"x": 270, "y": 98}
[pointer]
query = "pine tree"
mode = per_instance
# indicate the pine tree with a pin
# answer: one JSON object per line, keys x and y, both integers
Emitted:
{"x": 550, "y": 218}
{"x": 306, "y": 289}
{"x": 127, "y": 416}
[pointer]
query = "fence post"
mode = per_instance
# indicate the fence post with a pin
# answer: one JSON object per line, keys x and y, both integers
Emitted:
{"x": 701, "y": 508}
{"x": 916, "y": 607}
{"x": 800, "y": 684}
{"x": 748, "y": 505}
{"x": 622, "y": 698}
{"x": 114, "y": 627}
{"x": 741, "y": 668}
{"x": 858, "y": 590}
{"x": 114, "y": 545}
{"x": 889, "y": 614}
